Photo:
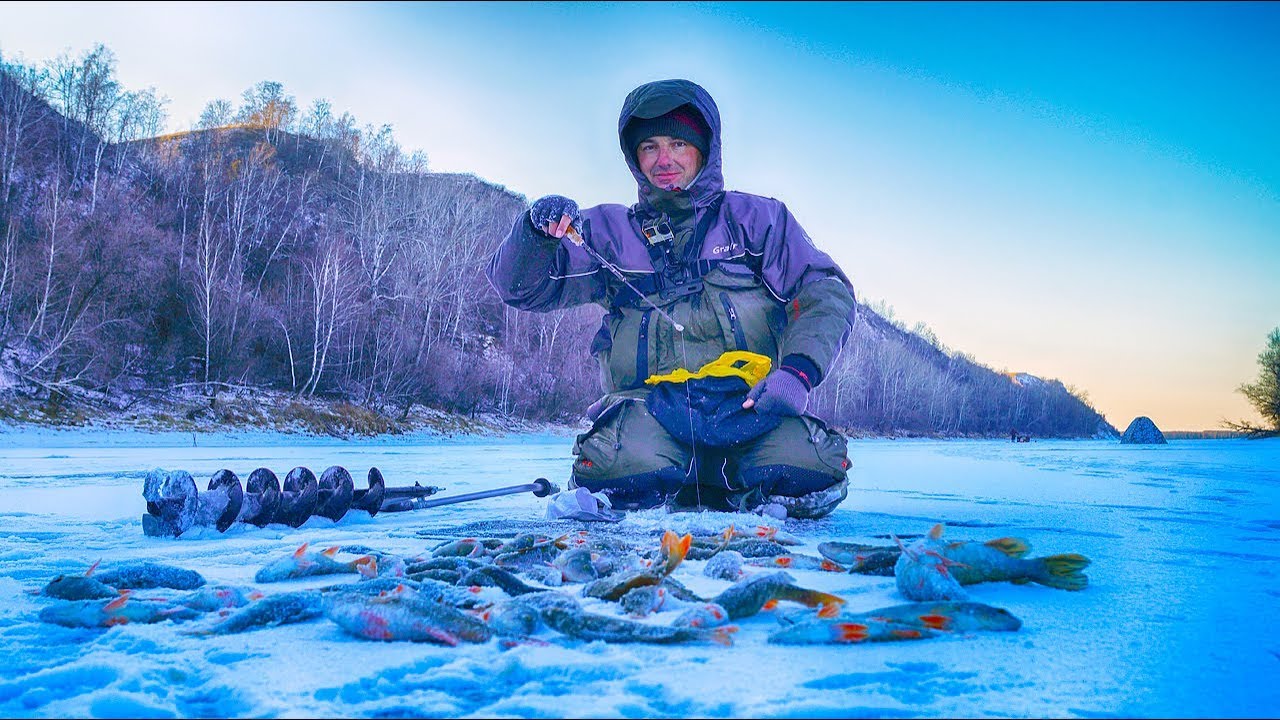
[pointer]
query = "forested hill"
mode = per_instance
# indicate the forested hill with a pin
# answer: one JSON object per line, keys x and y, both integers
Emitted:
{"x": 270, "y": 248}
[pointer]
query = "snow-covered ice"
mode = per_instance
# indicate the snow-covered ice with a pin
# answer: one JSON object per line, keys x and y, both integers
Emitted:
{"x": 1178, "y": 619}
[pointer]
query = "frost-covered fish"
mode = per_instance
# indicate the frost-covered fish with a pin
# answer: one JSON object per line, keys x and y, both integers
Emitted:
{"x": 521, "y": 553}
{"x": 279, "y": 609}
{"x": 705, "y": 615}
{"x": 212, "y": 598}
{"x": 79, "y": 587}
{"x": 123, "y": 610}
{"x": 459, "y": 565}
{"x": 641, "y": 601}
{"x": 451, "y": 577}
{"x": 931, "y": 569}
{"x": 613, "y": 587}
{"x": 725, "y": 566}
{"x": 862, "y": 559}
{"x": 576, "y": 566}
{"x": 747, "y": 597}
{"x": 426, "y": 589}
{"x": 797, "y": 561}
{"x": 768, "y": 532}
{"x": 466, "y": 547}
{"x": 921, "y": 571}
{"x": 750, "y": 546}
{"x": 513, "y": 618}
{"x": 148, "y": 575}
{"x": 913, "y": 621}
{"x": 493, "y": 576}
{"x": 1003, "y": 560}
{"x": 302, "y": 563}
{"x": 403, "y": 615}
{"x": 582, "y": 625}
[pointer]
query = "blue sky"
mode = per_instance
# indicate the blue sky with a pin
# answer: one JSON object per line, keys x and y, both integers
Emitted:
{"x": 1082, "y": 191}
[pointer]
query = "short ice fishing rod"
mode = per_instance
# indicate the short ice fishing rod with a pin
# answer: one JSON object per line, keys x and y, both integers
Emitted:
{"x": 576, "y": 238}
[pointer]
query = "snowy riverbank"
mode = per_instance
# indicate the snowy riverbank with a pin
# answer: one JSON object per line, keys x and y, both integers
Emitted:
{"x": 1184, "y": 538}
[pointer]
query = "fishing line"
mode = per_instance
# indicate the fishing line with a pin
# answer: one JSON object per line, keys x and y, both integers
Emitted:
{"x": 577, "y": 239}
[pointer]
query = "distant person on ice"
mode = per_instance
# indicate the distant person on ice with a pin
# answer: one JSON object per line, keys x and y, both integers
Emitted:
{"x": 711, "y": 415}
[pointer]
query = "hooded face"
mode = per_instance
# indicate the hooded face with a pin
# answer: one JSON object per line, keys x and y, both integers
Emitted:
{"x": 655, "y": 99}
{"x": 668, "y": 162}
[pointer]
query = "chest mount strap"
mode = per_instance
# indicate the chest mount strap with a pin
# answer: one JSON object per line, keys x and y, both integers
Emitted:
{"x": 675, "y": 276}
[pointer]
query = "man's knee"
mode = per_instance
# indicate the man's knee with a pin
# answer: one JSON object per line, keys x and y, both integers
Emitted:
{"x": 629, "y": 457}
{"x": 802, "y": 458}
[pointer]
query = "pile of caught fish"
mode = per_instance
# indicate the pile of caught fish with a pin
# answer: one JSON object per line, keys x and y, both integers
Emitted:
{"x": 475, "y": 589}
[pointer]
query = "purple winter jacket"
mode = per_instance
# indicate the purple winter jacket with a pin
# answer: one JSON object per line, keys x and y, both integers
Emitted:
{"x": 771, "y": 290}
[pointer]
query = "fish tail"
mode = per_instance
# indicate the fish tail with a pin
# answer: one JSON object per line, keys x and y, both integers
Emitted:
{"x": 935, "y": 533}
{"x": 367, "y": 566}
{"x": 677, "y": 549}
{"x": 1011, "y": 546}
{"x": 829, "y": 611}
{"x": 1062, "y": 571}
{"x": 724, "y": 635}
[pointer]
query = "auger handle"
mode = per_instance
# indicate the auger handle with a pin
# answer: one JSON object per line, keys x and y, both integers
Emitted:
{"x": 540, "y": 488}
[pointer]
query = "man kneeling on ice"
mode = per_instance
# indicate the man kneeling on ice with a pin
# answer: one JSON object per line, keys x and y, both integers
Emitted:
{"x": 722, "y": 317}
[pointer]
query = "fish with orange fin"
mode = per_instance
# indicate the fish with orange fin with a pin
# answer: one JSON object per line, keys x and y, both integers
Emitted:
{"x": 706, "y": 615}
{"x": 1003, "y": 560}
{"x": 466, "y": 547}
{"x": 931, "y": 569}
{"x": 148, "y": 575}
{"x": 302, "y": 563}
{"x": 861, "y": 559}
{"x": 706, "y": 548}
{"x": 770, "y": 533}
{"x": 279, "y": 609}
{"x": 613, "y": 587}
{"x": 212, "y": 598}
{"x": 798, "y": 561}
{"x": 750, "y": 596}
{"x": 123, "y": 610}
{"x": 95, "y": 584}
{"x": 922, "y": 571}
{"x": 403, "y": 615}
{"x": 912, "y": 621}
{"x": 526, "y": 553}
{"x": 666, "y": 595}
{"x": 79, "y": 587}
{"x": 568, "y": 619}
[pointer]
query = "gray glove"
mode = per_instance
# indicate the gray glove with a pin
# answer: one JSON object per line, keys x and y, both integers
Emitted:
{"x": 551, "y": 208}
{"x": 781, "y": 392}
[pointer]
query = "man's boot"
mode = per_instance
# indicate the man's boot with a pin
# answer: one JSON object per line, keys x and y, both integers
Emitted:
{"x": 813, "y": 505}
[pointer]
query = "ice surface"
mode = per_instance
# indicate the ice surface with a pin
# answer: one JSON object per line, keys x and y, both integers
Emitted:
{"x": 1177, "y": 619}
